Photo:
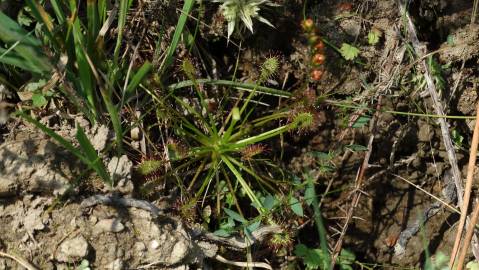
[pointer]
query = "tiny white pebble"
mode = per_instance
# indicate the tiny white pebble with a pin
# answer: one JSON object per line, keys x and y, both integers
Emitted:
{"x": 154, "y": 244}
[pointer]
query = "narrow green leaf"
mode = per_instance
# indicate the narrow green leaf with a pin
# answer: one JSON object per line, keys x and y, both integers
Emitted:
{"x": 42, "y": 16}
{"x": 57, "y": 8}
{"x": 102, "y": 10}
{"x": 114, "y": 117}
{"x": 68, "y": 145}
{"x": 90, "y": 153}
{"x": 27, "y": 47}
{"x": 356, "y": 147}
{"x": 137, "y": 79}
{"x": 222, "y": 233}
{"x": 14, "y": 59}
{"x": 187, "y": 6}
{"x": 243, "y": 183}
{"x": 238, "y": 85}
{"x": 84, "y": 70}
{"x": 93, "y": 24}
{"x": 121, "y": 25}
{"x": 88, "y": 156}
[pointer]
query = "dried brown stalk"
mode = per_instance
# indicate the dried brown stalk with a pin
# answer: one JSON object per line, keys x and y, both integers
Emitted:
{"x": 468, "y": 237}
{"x": 467, "y": 191}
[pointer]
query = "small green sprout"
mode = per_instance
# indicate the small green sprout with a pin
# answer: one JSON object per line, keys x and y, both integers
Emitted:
{"x": 349, "y": 52}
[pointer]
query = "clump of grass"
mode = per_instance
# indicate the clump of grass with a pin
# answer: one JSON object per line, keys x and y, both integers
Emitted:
{"x": 221, "y": 144}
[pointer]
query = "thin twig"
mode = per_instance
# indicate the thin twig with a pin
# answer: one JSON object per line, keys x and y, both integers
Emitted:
{"x": 428, "y": 193}
{"x": 359, "y": 183}
{"x": 19, "y": 260}
{"x": 243, "y": 264}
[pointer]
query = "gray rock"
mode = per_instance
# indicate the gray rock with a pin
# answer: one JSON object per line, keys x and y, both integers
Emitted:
{"x": 116, "y": 265}
{"x": 209, "y": 250}
{"x": 109, "y": 225}
{"x": 72, "y": 250}
{"x": 100, "y": 137}
{"x": 171, "y": 249}
{"x": 120, "y": 168}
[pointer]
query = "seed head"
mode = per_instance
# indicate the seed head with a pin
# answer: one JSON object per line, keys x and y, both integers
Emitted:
{"x": 269, "y": 67}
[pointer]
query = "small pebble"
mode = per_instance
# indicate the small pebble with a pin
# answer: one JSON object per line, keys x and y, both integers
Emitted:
{"x": 154, "y": 244}
{"x": 109, "y": 225}
{"x": 72, "y": 250}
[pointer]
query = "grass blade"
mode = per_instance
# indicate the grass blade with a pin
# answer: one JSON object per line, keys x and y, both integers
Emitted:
{"x": 121, "y": 26}
{"x": 42, "y": 16}
{"x": 84, "y": 70}
{"x": 12, "y": 58}
{"x": 93, "y": 24}
{"x": 242, "y": 182}
{"x": 26, "y": 46}
{"x": 187, "y": 6}
{"x": 94, "y": 160}
{"x": 57, "y": 8}
{"x": 238, "y": 85}
{"x": 89, "y": 157}
{"x": 114, "y": 117}
{"x": 137, "y": 79}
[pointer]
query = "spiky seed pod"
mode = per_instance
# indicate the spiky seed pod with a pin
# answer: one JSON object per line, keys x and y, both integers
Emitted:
{"x": 147, "y": 167}
{"x": 303, "y": 120}
{"x": 269, "y": 67}
{"x": 188, "y": 67}
{"x": 279, "y": 241}
{"x": 252, "y": 150}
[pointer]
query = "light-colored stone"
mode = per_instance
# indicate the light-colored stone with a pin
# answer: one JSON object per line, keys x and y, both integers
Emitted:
{"x": 171, "y": 248}
{"x": 116, "y": 265}
{"x": 7, "y": 187}
{"x": 100, "y": 138}
{"x": 109, "y": 225}
{"x": 208, "y": 249}
{"x": 120, "y": 168}
{"x": 154, "y": 244}
{"x": 72, "y": 250}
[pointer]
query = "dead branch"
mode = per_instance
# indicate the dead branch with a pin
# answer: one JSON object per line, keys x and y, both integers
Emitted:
{"x": 358, "y": 185}
{"x": 19, "y": 260}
